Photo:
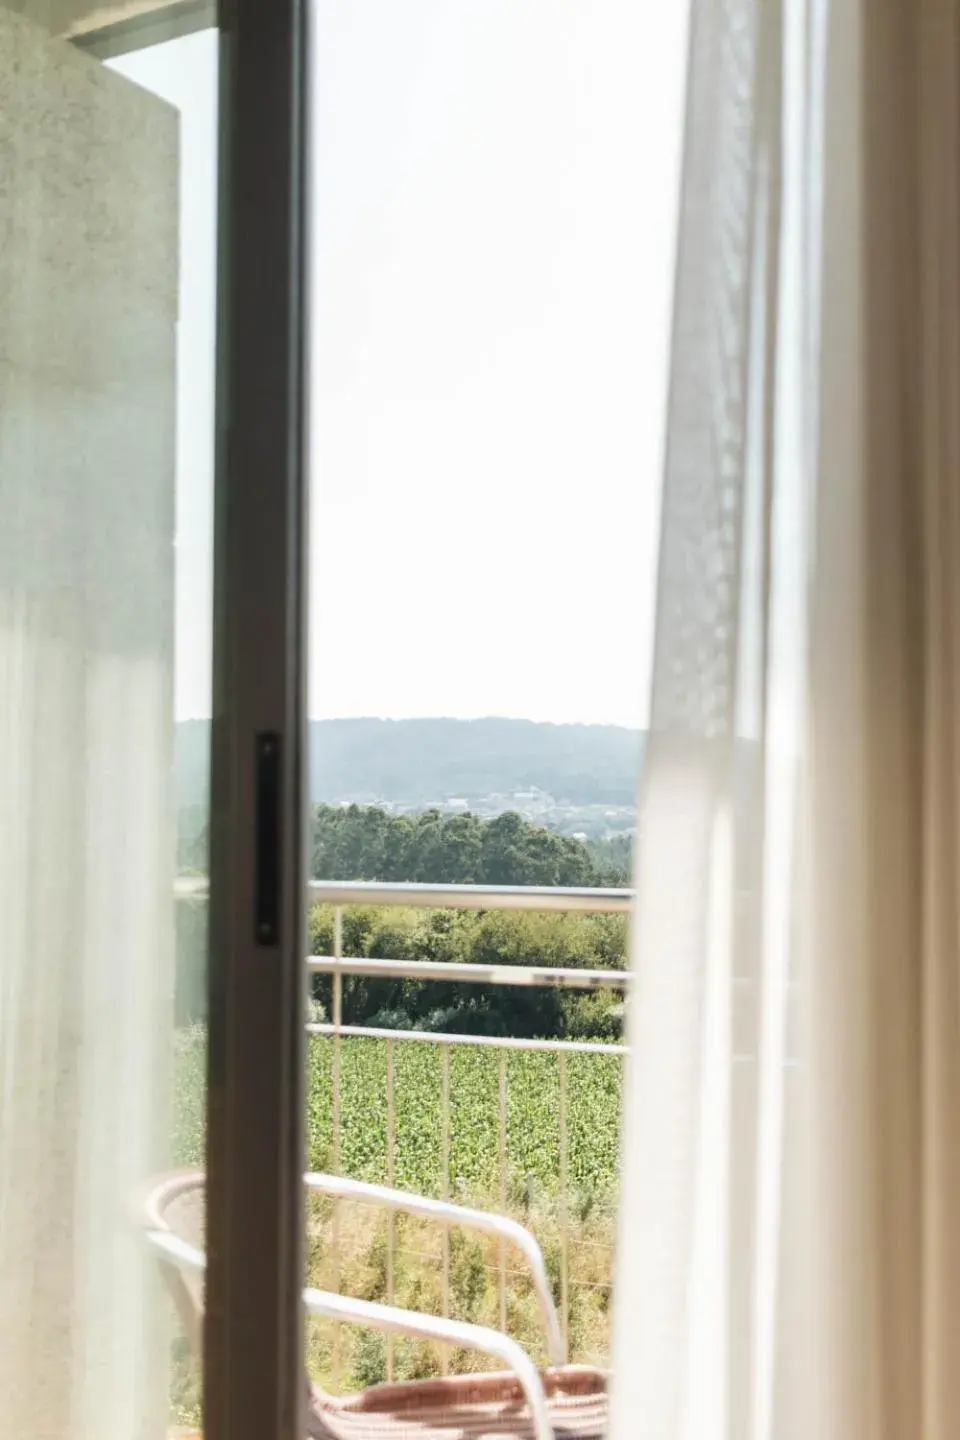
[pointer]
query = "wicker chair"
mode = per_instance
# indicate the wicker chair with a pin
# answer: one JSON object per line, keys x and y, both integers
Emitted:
{"x": 565, "y": 1402}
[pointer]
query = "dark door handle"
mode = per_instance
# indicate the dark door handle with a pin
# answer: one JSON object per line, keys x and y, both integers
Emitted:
{"x": 267, "y": 916}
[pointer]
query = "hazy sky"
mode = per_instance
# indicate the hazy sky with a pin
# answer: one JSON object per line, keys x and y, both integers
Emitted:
{"x": 493, "y": 214}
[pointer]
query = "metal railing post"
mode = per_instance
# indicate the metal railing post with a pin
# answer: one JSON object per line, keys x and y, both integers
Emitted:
{"x": 503, "y": 1186}
{"x": 337, "y": 1025}
{"x": 445, "y": 1183}
{"x": 391, "y": 1181}
{"x": 564, "y": 1206}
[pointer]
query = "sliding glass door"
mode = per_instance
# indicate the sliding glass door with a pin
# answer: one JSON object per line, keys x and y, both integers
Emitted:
{"x": 150, "y": 703}
{"x": 254, "y": 1364}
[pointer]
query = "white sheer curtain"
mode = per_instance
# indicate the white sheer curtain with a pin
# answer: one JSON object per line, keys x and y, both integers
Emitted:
{"x": 789, "y": 1256}
{"x": 88, "y": 298}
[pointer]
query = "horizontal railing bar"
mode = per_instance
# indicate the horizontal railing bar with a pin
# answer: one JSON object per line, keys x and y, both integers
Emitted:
{"x": 471, "y": 897}
{"x": 584, "y": 899}
{"x": 493, "y": 1042}
{"x": 522, "y": 975}
{"x": 190, "y": 887}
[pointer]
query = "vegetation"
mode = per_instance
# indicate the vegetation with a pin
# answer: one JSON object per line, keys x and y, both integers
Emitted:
{"x": 364, "y": 842}
{"x": 558, "y": 1188}
{"x": 532, "y": 1187}
{"x": 613, "y": 856}
{"x": 532, "y": 1184}
{"x": 485, "y": 937}
{"x": 592, "y": 1086}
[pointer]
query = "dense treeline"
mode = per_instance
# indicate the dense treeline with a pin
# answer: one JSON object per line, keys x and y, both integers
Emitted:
{"x": 364, "y": 842}
{"x": 491, "y": 937}
{"x": 613, "y": 856}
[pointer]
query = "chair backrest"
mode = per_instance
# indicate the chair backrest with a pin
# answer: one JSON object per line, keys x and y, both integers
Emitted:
{"x": 174, "y": 1216}
{"x": 176, "y": 1204}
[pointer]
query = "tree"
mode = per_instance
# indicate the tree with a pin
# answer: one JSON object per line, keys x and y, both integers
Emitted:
{"x": 364, "y": 842}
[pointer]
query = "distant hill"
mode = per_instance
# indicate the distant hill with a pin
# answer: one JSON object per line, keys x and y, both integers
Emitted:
{"x": 417, "y": 762}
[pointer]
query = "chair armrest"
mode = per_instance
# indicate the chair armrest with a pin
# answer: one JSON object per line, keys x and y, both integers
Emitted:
{"x": 449, "y": 1332}
{"x": 399, "y": 1322}
{"x": 178, "y": 1252}
{"x": 340, "y": 1188}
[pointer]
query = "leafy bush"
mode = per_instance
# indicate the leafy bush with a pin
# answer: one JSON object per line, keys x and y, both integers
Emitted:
{"x": 479, "y": 937}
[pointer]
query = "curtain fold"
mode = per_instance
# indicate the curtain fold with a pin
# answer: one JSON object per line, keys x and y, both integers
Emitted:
{"x": 789, "y": 1254}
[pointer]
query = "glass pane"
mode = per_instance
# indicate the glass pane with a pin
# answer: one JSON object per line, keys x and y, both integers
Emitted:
{"x": 494, "y": 193}
{"x": 108, "y": 144}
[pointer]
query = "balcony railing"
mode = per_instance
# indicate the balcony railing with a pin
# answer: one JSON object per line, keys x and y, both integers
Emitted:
{"x": 338, "y": 965}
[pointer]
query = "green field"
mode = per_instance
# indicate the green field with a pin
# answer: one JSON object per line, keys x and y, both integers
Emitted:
{"x": 533, "y": 1116}
{"x": 585, "y": 1209}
